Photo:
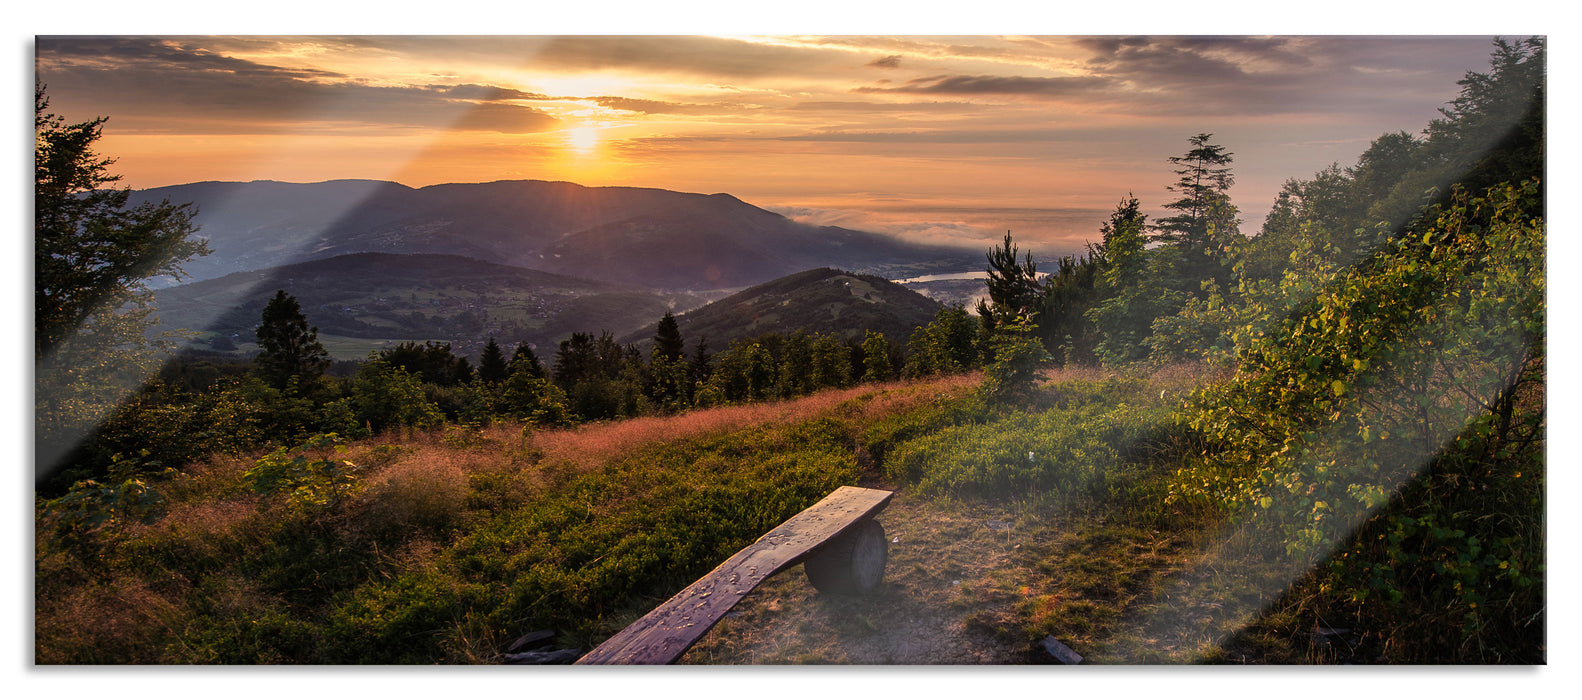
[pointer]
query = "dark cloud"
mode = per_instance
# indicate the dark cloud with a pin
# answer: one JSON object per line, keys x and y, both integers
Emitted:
{"x": 485, "y": 93}
{"x": 994, "y": 85}
{"x": 1279, "y": 75}
{"x": 694, "y": 55}
{"x": 1218, "y": 77}
{"x": 1164, "y": 62}
{"x": 860, "y": 106}
{"x": 156, "y": 54}
{"x": 886, "y": 62}
{"x": 939, "y": 136}
{"x": 631, "y": 104}
{"x": 153, "y": 84}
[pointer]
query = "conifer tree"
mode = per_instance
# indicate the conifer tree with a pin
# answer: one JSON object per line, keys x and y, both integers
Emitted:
{"x": 287, "y": 346}
{"x": 92, "y": 307}
{"x": 701, "y": 366}
{"x": 461, "y": 371}
{"x": 1205, "y": 217}
{"x": 92, "y": 253}
{"x": 491, "y": 364}
{"x": 667, "y": 339}
{"x": 1013, "y": 286}
{"x": 524, "y": 359}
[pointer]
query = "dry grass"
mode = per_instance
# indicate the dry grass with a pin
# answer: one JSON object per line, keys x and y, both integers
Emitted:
{"x": 121, "y": 621}
{"x": 592, "y": 445}
{"x": 424, "y": 490}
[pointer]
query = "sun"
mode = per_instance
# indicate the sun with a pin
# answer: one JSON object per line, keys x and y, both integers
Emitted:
{"x": 583, "y": 139}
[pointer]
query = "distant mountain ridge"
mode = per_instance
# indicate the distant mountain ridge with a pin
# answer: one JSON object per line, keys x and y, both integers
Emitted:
{"x": 824, "y": 300}
{"x": 636, "y": 236}
{"x": 367, "y": 301}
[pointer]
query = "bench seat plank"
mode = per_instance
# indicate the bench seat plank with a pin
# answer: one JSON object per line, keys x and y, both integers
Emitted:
{"x": 662, "y": 635}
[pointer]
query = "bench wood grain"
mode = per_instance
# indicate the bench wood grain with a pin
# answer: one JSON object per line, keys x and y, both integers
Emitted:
{"x": 666, "y": 632}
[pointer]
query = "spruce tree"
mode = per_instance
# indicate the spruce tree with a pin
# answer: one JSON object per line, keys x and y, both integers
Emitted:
{"x": 1013, "y": 286}
{"x": 667, "y": 339}
{"x": 92, "y": 307}
{"x": 525, "y": 360}
{"x": 491, "y": 364}
{"x": 287, "y": 346}
{"x": 701, "y": 366}
{"x": 1205, "y": 218}
{"x": 92, "y": 253}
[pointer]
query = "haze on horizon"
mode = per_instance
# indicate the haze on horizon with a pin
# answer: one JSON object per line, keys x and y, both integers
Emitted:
{"x": 936, "y": 139}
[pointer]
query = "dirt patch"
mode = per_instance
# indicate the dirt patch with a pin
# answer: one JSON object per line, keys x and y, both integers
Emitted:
{"x": 952, "y": 591}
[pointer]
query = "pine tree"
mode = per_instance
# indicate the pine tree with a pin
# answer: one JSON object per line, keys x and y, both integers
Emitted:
{"x": 92, "y": 253}
{"x": 91, "y": 306}
{"x": 1130, "y": 293}
{"x": 1013, "y": 286}
{"x": 432, "y": 361}
{"x": 491, "y": 364}
{"x": 701, "y": 366}
{"x": 287, "y": 346}
{"x": 667, "y": 339}
{"x": 575, "y": 361}
{"x": 524, "y": 359}
{"x": 461, "y": 371}
{"x": 1206, "y": 218}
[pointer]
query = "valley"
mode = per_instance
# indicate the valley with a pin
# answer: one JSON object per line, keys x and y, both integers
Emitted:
{"x": 375, "y": 264}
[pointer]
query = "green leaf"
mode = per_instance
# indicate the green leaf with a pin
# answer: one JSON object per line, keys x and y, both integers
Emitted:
{"x": 1337, "y": 386}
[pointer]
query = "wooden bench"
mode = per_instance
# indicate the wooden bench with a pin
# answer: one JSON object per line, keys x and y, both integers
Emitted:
{"x": 841, "y": 547}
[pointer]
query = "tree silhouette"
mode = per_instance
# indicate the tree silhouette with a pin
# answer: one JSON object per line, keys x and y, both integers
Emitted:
{"x": 1205, "y": 216}
{"x": 92, "y": 255}
{"x": 491, "y": 364}
{"x": 667, "y": 339}
{"x": 287, "y": 346}
{"x": 524, "y": 359}
{"x": 91, "y": 252}
{"x": 1013, "y": 286}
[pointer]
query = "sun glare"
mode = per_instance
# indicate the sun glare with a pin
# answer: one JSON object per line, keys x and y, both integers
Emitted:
{"x": 583, "y": 139}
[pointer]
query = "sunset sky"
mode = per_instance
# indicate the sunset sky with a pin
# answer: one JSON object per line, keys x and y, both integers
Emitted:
{"x": 915, "y": 133}
{"x": 937, "y": 138}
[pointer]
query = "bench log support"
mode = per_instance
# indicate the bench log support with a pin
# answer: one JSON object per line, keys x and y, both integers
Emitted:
{"x": 666, "y": 632}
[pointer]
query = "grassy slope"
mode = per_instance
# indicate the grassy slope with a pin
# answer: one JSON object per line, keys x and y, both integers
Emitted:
{"x": 447, "y": 545}
{"x": 458, "y": 541}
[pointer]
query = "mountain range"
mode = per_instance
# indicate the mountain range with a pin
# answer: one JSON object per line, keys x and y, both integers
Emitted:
{"x": 641, "y": 237}
{"x": 822, "y": 300}
{"x": 367, "y": 301}
{"x": 375, "y": 263}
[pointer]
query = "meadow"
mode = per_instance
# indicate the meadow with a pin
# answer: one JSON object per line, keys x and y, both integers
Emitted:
{"x": 1061, "y": 518}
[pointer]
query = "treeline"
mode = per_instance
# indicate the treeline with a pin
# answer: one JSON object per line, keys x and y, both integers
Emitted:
{"x": 292, "y": 390}
{"x": 1192, "y": 285}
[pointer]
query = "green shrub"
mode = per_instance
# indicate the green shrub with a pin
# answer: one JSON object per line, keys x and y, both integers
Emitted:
{"x": 308, "y": 475}
{"x": 1071, "y": 450}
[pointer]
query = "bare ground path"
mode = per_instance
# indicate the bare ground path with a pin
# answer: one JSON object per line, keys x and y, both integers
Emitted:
{"x": 951, "y": 593}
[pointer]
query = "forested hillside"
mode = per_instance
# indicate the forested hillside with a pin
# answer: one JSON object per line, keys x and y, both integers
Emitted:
{"x": 370, "y": 301}
{"x": 817, "y": 301}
